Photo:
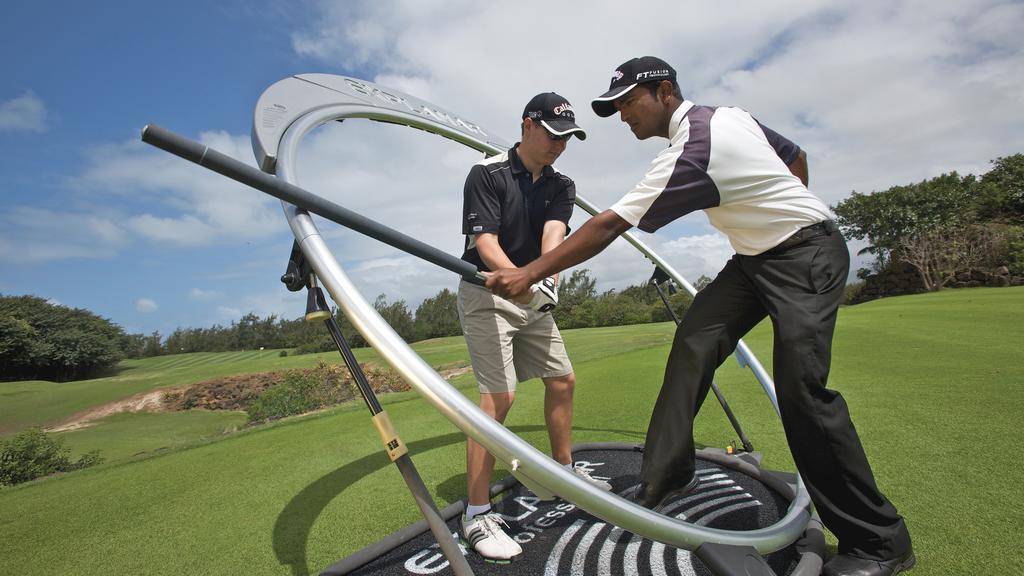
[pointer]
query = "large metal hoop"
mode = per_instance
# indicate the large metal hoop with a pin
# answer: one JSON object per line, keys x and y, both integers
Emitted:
{"x": 289, "y": 110}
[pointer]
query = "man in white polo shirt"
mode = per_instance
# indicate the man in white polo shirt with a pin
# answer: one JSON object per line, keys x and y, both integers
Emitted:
{"x": 791, "y": 265}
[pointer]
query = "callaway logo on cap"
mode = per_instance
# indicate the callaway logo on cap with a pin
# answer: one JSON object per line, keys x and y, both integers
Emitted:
{"x": 628, "y": 76}
{"x": 555, "y": 114}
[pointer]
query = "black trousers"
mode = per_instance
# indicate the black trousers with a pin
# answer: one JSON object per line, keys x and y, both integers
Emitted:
{"x": 799, "y": 288}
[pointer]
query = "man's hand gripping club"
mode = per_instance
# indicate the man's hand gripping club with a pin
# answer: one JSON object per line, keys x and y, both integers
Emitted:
{"x": 545, "y": 295}
{"x": 594, "y": 236}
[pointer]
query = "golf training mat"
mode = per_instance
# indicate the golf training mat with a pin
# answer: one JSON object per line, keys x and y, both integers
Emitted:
{"x": 559, "y": 538}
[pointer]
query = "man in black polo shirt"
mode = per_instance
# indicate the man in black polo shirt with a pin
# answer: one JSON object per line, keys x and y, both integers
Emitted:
{"x": 516, "y": 207}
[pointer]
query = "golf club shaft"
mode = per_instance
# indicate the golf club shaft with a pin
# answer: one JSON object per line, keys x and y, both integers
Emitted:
{"x": 222, "y": 164}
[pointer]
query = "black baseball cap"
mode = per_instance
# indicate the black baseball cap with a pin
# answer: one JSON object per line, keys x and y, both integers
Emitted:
{"x": 555, "y": 114}
{"x": 627, "y": 76}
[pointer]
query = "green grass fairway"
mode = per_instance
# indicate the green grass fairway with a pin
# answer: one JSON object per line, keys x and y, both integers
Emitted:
{"x": 30, "y": 403}
{"x": 141, "y": 434}
{"x": 935, "y": 383}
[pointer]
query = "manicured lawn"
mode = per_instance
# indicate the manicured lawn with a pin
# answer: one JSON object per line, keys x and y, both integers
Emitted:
{"x": 35, "y": 402}
{"x": 131, "y": 435}
{"x": 24, "y": 404}
{"x": 935, "y": 384}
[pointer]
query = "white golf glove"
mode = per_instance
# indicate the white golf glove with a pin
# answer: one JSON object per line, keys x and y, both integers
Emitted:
{"x": 545, "y": 295}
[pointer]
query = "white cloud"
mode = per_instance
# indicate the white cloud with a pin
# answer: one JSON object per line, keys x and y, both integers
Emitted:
{"x": 133, "y": 192}
{"x": 195, "y": 206}
{"x": 275, "y": 302}
{"x": 185, "y": 231}
{"x": 200, "y": 295}
{"x": 146, "y": 305}
{"x": 25, "y": 113}
{"x": 33, "y": 234}
{"x": 878, "y": 94}
{"x": 696, "y": 256}
{"x": 891, "y": 96}
{"x": 401, "y": 278}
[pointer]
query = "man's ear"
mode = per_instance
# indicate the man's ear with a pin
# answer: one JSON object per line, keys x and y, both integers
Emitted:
{"x": 664, "y": 91}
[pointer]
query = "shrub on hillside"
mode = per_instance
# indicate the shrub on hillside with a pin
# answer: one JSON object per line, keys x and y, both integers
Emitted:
{"x": 384, "y": 380}
{"x": 1014, "y": 250}
{"x": 301, "y": 391}
{"x": 852, "y": 292}
{"x": 32, "y": 454}
{"x": 296, "y": 394}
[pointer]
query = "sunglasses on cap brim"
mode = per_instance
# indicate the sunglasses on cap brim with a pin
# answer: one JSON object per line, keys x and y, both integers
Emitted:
{"x": 535, "y": 117}
{"x": 555, "y": 137}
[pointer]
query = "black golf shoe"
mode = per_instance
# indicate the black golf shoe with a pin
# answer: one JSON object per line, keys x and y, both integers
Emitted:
{"x": 656, "y": 499}
{"x": 847, "y": 565}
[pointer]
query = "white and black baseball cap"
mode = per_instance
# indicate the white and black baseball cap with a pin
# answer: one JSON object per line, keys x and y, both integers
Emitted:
{"x": 555, "y": 114}
{"x": 627, "y": 76}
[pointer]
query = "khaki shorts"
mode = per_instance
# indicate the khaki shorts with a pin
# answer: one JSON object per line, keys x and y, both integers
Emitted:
{"x": 508, "y": 342}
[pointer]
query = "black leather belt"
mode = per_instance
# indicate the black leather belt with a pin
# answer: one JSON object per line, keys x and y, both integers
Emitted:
{"x": 807, "y": 232}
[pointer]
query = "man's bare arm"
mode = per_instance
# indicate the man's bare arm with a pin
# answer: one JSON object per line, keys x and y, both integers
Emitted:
{"x": 799, "y": 167}
{"x": 494, "y": 256}
{"x": 553, "y": 235}
{"x": 593, "y": 237}
{"x": 491, "y": 252}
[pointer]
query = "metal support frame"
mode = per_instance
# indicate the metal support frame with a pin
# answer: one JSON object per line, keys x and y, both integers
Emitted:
{"x": 300, "y": 275}
{"x": 398, "y": 453}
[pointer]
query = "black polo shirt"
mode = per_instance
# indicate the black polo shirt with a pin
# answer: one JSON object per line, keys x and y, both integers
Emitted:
{"x": 501, "y": 197}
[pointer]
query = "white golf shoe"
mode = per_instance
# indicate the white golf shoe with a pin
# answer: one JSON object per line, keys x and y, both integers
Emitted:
{"x": 485, "y": 534}
{"x": 585, "y": 474}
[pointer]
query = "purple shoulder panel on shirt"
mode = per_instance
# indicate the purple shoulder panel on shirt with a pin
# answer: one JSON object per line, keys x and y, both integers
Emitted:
{"x": 689, "y": 188}
{"x": 785, "y": 148}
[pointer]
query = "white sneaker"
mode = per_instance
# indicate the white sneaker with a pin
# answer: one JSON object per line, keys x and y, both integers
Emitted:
{"x": 485, "y": 534}
{"x": 585, "y": 474}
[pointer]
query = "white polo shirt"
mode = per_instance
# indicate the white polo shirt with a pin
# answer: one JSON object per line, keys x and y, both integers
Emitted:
{"x": 723, "y": 161}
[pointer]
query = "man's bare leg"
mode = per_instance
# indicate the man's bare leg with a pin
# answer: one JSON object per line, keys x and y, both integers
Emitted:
{"x": 480, "y": 462}
{"x": 558, "y": 392}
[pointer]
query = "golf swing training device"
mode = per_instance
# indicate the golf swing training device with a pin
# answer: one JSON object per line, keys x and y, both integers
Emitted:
{"x": 285, "y": 113}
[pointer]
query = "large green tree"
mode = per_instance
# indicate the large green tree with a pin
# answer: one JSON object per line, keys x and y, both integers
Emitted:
{"x": 576, "y": 295}
{"x": 886, "y": 219}
{"x": 397, "y": 315}
{"x": 1001, "y": 191}
{"x": 438, "y": 316}
{"x": 943, "y": 225}
{"x": 40, "y": 340}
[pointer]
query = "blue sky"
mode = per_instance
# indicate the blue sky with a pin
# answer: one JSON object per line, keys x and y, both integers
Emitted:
{"x": 878, "y": 93}
{"x": 102, "y": 71}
